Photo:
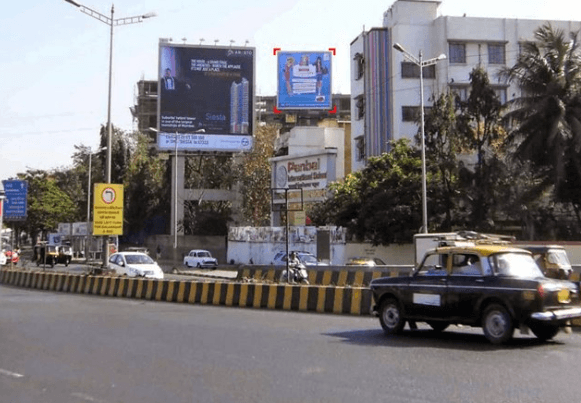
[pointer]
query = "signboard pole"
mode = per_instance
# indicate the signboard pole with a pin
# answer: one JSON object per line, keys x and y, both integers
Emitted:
{"x": 1, "y": 212}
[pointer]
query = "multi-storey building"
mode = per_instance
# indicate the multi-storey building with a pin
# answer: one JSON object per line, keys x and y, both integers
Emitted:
{"x": 385, "y": 86}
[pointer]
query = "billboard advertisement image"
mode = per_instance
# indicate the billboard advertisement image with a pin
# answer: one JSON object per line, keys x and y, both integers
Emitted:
{"x": 206, "y": 98}
{"x": 304, "y": 80}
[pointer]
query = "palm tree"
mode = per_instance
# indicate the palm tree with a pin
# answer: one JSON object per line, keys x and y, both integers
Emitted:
{"x": 547, "y": 116}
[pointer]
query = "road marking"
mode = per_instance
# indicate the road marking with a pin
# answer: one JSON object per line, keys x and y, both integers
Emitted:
{"x": 10, "y": 373}
{"x": 87, "y": 398}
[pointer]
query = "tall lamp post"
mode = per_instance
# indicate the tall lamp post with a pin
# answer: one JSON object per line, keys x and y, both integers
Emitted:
{"x": 421, "y": 63}
{"x": 112, "y": 23}
{"x": 89, "y": 202}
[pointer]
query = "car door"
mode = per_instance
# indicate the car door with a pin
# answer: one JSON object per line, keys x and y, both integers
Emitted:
{"x": 428, "y": 286}
{"x": 468, "y": 282}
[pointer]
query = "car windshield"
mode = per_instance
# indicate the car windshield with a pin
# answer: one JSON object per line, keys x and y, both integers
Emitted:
{"x": 138, "y": 259}
{"x": 515, "y": 264}
{"x": 307, "y": 259}
{"x": 204, "y": 254}
{"x": 558, "y": 257}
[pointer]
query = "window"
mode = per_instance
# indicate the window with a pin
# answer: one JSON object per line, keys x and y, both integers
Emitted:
{"x": 434, "y": 265}
{"x": 501, "y": 94}
{"x": 496, "y": 54}
{"x": 412, "y": 70}
{"x": 360, "y": 146}
{"x": 359, "y": 65}
{"x": 457, "y": 52}
{"x": 360, "y": 107}
{"x": 461, "y": 93}
{"x": 466, "y": 265}
{"x": 412, "y": 113}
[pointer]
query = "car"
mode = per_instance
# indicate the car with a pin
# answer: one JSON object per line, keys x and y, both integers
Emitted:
{"x": 306, "y": 258}
{"x": 200, "y": 258}
{"x": 496, "y": 287}
{"x": 2, "y": 258}
{"x": 134, "y": 264}
{"x": 364, "y": 261}
{"x": 552, "y": 259}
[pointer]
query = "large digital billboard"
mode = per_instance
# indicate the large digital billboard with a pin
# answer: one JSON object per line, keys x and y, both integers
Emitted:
{"x": 304, "y": 80}
{"x": 206, "y": 98}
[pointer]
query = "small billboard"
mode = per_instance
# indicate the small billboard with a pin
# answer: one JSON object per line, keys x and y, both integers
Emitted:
{"x": 108, "y": 209}
{"x": 206, "y": 98}
{"x": 304, "y": 80}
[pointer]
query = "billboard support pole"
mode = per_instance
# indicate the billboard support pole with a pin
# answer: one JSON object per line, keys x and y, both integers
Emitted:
{"x": 175, "y": 213}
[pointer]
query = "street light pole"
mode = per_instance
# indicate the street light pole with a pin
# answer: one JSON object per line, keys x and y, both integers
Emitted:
{"x": 111, "y": 22}
{"x": 421, "y": 64}
{"x": 89, "y": 202}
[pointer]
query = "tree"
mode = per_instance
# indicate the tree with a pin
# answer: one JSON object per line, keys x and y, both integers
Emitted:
{"x": 145, "y": 191}
{"x": 480, "y": 125}
{"x": 47, "y": 204}
{"x": 381, "y": 203}
{"x": 255, "y": 176}
{"x": 547, "y": 115}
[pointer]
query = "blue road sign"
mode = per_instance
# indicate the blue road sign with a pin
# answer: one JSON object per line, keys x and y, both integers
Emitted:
{"x": 16, "y": 200}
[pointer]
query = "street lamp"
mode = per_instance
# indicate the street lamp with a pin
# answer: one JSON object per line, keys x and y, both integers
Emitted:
{"x": 111, "y": 22}
{"x": 89, "y": 202}
{"x": 421, "y": 64}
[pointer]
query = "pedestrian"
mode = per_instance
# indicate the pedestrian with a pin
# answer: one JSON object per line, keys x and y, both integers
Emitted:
{"x": 158, "y": 252}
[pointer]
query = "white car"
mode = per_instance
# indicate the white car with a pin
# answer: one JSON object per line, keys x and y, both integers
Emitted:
{"x": 201, "y": 259}
{"x": 2, "y": 259}
{"x": 306, "y": 258}
{"x": 135, "y": 264}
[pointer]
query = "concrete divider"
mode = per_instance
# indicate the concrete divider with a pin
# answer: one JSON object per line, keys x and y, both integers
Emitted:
{"x": 323, "y": 299}
{"x": 336, "y": 276}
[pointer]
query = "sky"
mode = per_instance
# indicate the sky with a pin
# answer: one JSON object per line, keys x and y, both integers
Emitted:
{"x": 55, "y": 63}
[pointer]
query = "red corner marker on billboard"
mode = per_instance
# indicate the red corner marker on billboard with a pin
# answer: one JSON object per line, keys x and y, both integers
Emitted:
{"x": 274, "y": 50}
{"x": 334, "y": 110}
{"x": 333, "y": 50}
{"x": 276, "y": 110}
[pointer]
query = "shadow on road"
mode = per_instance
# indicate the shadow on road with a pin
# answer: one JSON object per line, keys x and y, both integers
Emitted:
{"x": 455, "y": 338}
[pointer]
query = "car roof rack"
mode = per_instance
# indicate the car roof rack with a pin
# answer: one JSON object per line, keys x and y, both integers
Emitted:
{"x": 470, "y": 238}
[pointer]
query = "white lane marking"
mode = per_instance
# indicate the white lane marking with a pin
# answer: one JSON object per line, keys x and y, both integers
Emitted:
{"x": 10, "y": 373}
{"x": 87, "y": 398}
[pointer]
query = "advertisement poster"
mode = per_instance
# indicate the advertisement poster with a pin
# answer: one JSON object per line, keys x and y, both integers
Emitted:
{"x": 206, "y": 97}
{"x": 304, "y": 80}
{"x": 15, "y": 203}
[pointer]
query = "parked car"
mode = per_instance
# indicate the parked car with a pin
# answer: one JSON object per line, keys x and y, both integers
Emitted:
{"x": 552, "y": 259}
{"x": 201, "y": 259}
{"x": 496, "y": 287}
{"x": 306, "y": 258}
{"x": 364, "y": 261}
{"x": 134, "y": 264}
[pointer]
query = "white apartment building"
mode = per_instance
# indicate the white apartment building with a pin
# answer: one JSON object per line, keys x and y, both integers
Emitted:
{"x": 385, "y": 87}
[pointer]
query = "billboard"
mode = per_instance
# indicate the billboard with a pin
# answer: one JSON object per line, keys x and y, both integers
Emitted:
{"x": 16, "y": 200}
{"x": 304, "y": 80}
{"x": 206, "y": 98}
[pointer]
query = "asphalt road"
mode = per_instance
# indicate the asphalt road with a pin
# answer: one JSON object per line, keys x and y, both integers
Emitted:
{"x": 75, "y": 348}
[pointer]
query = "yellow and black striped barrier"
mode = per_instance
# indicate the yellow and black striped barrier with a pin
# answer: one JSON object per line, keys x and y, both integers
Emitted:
{"x": 307, "y": 298}
{"x": 331, "y": 277}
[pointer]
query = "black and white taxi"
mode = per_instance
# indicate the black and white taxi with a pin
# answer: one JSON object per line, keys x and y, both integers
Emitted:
{"x": 496, "y": 287}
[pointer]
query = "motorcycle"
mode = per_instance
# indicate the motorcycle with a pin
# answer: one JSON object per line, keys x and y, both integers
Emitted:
{"x": 298, "y": 274}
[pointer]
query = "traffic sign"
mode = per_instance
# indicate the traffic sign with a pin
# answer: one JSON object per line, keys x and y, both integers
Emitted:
{"x": 15, "y": 203}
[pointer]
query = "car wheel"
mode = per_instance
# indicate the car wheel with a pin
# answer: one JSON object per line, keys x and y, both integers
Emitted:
{"x": 438, "y": 326}
{"x": 199, "y": 266}
{"x": 497, "y": 324}
{"x": 544, "y": 332}
{"x": 390, "y": 317}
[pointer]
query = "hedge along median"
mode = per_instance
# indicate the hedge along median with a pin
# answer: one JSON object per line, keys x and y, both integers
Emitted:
{"x": 307, "y": 298}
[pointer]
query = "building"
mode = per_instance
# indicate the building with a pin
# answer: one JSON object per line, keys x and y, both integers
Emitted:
{"x": 385, "y": 88}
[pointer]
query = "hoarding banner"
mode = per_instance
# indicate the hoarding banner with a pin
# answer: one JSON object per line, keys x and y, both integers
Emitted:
{"x": 304, "y": 80}
{"x": 206, "y": 97}
{"x": 108, "y": 209}
{"x": 16, "y": 192}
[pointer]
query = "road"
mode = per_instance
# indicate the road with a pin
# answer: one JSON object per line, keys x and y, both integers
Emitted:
{"x": 76, "y": 348}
